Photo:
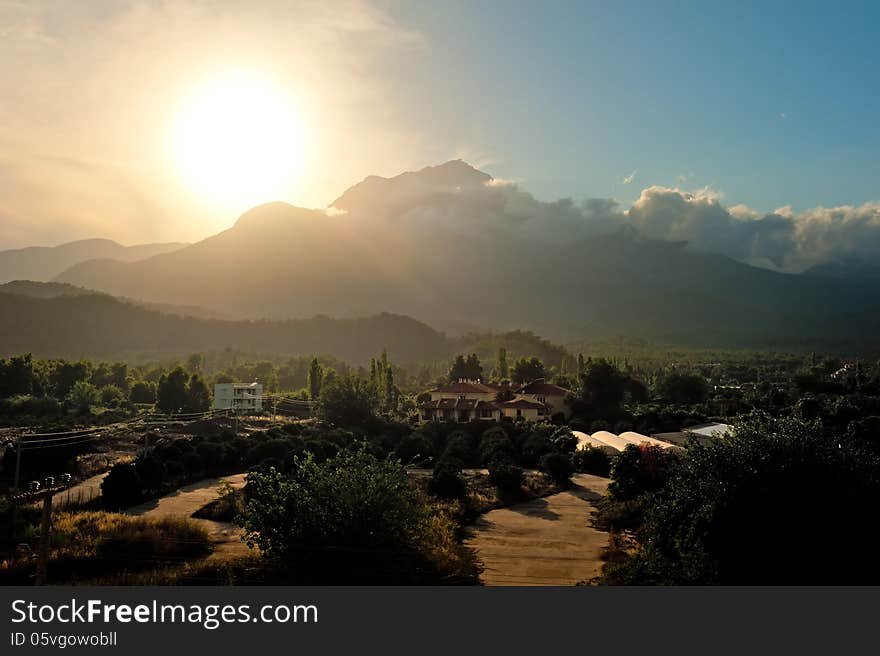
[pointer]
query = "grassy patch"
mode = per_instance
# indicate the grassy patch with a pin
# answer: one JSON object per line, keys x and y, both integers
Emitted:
{"x": 100, "y": 544}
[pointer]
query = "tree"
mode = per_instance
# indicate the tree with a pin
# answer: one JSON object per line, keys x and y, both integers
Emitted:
{"x": 143, "y": 392}
{"x": 198, "y": 397}
{"x": 507, "y": 476}
{"x": 682, "y": 387}
{"x": 353, "y": 504}
{"x": 557, "y": 466}
{"x": 391, "y": 391}
{"x": 16, "y": 375}
{"x": 316, "y": 377}
{"x": 64, "y": 375}
{"x": 121, "y": 487}
{"x": 466, "y": 369}
{"x": 112, "y": 397}
{"x": 347, "y": 401}
{"x": 502, "y": 370}
{"x": 83, "y": 396}
{"x": 603, "y": 389}
{"x": 171, "y": 393}
{"x": 447, "y": 482}
{"x": 525, "y": 371}
{"x": 110, "y": 374}
{"x": 195, "y": 362}
{"x": 760, "y": 483}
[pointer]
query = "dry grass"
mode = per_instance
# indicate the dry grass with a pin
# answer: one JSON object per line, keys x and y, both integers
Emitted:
{"x": 86, "y": 545}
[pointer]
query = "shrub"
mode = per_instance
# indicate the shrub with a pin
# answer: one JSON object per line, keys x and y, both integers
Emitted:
{"x": 447, "y": 482}
{"x": 506, "y": 476}
{"x": 193, "y": 465}
{"x": 459, "y": 447}
{"x": 348, "y": 515}
{"x": 151, "y": 472}
{"x": 592, "y": 460}
{"x": 83, "y": 396}
{"x": 212, "y": 455}
{"x": 121, "y": 487}
{"x": 534, "y": 447}
{"x": 143, "y": 392}
{"x": 113, "y": 397}
{"x": 495, "y": 445}
{"x": 563, "y": 440}
{"x": 414, "y": 449}
{"x": 761, "y": 483}
{"x": 558, "y": 467}
{"x": 639, "y": 470}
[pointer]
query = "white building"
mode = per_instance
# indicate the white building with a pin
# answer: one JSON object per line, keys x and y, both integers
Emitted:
{"x": 246, "y": 398}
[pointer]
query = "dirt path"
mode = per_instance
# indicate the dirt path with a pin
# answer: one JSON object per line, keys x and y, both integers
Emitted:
{"x": 546, "y": 541}
{"x": 187, "y": 500}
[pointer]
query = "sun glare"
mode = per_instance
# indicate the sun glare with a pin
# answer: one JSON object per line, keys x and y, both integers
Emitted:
{"x": 239, "y": 140}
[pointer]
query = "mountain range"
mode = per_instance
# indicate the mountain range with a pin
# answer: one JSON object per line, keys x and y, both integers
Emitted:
{"x": 43, "y": 263}
{"x": 451, "y": 246}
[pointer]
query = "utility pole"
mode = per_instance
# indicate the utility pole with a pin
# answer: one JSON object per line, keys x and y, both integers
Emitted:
{"x": 45, "y": 535}
{"x": 17, "y": 462}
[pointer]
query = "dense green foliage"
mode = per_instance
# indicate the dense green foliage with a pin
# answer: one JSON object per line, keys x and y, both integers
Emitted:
{"x": 778, "y": 502}
{"x": 348, "y": 517}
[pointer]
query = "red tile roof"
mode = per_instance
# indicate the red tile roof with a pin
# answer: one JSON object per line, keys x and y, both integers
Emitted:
{"x": 542, "y": 388}
{"x": 463, "y": 387}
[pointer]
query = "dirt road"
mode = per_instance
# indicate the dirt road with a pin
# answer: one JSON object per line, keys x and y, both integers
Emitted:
{"x": 187, "y": 500}
{"x": 546, "y": 541}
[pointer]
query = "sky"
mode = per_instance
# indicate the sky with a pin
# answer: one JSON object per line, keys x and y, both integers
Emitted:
{"x": 765, "y": 109}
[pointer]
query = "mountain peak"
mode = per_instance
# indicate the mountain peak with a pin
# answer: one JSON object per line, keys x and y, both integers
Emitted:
{"x": 272, "y": 212}
{"x": 448, "y": 177}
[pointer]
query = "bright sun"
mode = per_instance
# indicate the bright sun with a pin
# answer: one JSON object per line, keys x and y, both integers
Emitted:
{"x": 239, "y": 140}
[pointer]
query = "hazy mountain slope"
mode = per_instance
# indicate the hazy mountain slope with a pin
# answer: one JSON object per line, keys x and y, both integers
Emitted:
{"x": 36, "y": 289}
{"x": 100, "y": 326}
{"x": 44, "y": 262}
{"x": 447, "y": 243}
{"x": 857, "y": 270}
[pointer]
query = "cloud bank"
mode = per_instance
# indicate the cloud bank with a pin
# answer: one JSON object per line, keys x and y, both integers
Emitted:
{"x": 457, "y": 199}
{"x": 783, "y": 239}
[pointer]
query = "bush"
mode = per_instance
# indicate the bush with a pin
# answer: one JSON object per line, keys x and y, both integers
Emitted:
{"x": 447, "y": 482}
{"x": 121, "y": 487}
{"x": 805, "y": 498}
{"x": 83, "y": 396}
{"x": 414, "y": 449}
{"x": 535, "y": 446}
{"x": 212, "y": 455}
{"x": 558, "y": 467}
{"x": 151, "y": 472}
{"x": 459, "y": 447}
{"x": 639, "y": 470}
{"x": 506, "y": 476}
{"x": 113, "y": 397}
{"x": 193, "y": 465}
{"x": 592, "y": 460}
{"x": 353, "y": 514}
{"x": 495, "y": 445}
{"x": 563, "y": 440}
{"x": 143, "y": 392}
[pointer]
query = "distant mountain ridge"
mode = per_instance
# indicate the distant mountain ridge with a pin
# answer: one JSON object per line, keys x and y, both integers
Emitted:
{"x": 449, "y": 244}
{"x": 43, "y": 263}
{"x": 36, "y": 289}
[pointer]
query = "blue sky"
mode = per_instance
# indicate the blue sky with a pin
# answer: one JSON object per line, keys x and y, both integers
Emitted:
{"x": 770, "y": 103}
{"x": 767, "y": 104}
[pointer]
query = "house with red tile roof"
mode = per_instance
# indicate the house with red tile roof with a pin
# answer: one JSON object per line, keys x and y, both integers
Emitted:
{"x": 468, "y": 400}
